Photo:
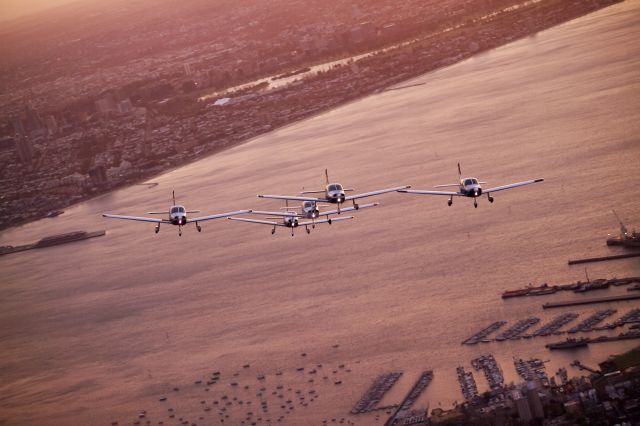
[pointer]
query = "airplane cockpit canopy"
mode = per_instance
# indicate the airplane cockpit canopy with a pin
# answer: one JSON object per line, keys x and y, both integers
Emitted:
{"x": 177, "y": 209}
{"x": 308, "y": 204}
{"x": 470, "y": 181}
{"x": 335, "y": 187}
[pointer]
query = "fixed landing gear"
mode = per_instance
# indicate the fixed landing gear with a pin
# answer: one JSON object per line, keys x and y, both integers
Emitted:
{"x": 308, "y": 230}
{"x": 450, "y": 201}
{"x": 355, "y": 205}
{"x": 475, "y": 203}
{"x": 292, "y": 232}
{"x": 490, "y": 198}
{"x": 157, "y": 228}
{"x": 198, "y": 227}
{"x": 273, "y": 231}
{"x": 179, "y": 231}
{"x": 329, "y": 221}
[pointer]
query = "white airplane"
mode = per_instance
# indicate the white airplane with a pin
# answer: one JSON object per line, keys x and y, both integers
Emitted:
{"x": 177, "y": 215}
{"x": 334, "y": 193}
{"x": 289, "y": 220}
{"x": 470, "y": 187}
{"x": 310, "y": 210}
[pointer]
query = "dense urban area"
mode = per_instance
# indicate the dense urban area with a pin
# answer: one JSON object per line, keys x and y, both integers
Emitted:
{"x": 123, "y": 93}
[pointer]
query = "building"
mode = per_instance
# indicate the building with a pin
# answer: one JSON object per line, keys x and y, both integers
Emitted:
{"x": 25, "y": 149}
{"x": 535, "y": 405}
{"x": 522, "y": 406}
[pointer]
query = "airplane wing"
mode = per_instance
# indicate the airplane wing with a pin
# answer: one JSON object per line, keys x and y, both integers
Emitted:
{"x": 513, "y": 185}
{"x": 337, "y": 219}
{"x": 347, "y": 209}
{"x": 293, "y": 197}
{"x": 372, "y": 193}
{"x": 141, "y": 219}
{"x": 280, "y": 214}
{"x": 262, "y": 222}
{"x": 447, "y": 193}
{"x": 217, "y": 216}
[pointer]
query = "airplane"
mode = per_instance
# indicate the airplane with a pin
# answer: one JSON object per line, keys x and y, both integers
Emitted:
{"x": 177, "y": 215}
{"x": 470, "y": 187}
{"x": 310, "y": 210}
{"x": 334, "y": 193}
{"x": 289, "y": 220}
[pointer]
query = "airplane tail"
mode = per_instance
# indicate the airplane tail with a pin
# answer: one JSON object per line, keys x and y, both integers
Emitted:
{"x": 459, "y": 171}
{"x": 326, "y": 176}
{"x": 173, "y": 194}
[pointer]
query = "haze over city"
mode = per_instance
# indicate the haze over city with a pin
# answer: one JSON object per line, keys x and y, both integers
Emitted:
{"x": 411, "y": 309}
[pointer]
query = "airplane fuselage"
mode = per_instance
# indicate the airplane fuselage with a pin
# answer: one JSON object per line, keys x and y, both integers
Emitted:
{"x": 290, "y": 221}
{"x": 470, "y": 187}
{"x": 310, "y": 210}
{"x": 334, "y": 193}
{"x": 178, "y": 215}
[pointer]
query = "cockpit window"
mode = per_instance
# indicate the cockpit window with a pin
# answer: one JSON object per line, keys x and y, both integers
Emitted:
{"x": 181, "y": 209}
{"x": 339, "y": 187}
{"x": 474, "y": 181}
{"x": 468, "y": 182}
{"x": 333, "y": 188}
{"x": 174, "y": 210}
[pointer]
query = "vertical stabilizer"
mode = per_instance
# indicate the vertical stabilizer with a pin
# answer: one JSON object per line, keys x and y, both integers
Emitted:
{"x": 326, "y": 176}
{"x": 459, "y": 171}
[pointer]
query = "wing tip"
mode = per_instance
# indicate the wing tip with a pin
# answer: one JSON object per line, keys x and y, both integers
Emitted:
{"x": 539, "y": 180}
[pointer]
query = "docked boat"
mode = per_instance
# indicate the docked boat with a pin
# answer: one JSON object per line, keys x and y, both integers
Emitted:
{"x": 569, "y": 344}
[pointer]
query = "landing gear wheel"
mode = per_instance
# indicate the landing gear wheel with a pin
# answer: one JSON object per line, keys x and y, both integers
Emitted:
{"x": 199, "y": 228}
{"x": 475, "y": 204}
{"x": 449, "y": 202}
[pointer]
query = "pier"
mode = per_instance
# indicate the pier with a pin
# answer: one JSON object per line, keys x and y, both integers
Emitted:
{"x": 589, "y": 323}
{"x": 467, "y": 384}
{"x": 410, "y": 399}
{"x": 571, "y": 344}
{"x": 591, "y": 301}
{"x": 520, "y": 327}
{"x": 577, "y": 287}
{"x": 373, "y": 395}
{"x": 480, "y": 336}
{"x": 555, "y": 324}
{"x": 603, "y": 258}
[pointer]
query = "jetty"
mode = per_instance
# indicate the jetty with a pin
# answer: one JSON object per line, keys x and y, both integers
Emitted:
{"x": 591, "y": 301}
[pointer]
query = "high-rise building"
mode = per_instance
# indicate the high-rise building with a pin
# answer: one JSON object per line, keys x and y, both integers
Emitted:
{"x": 537, "y": 410}
{"x": 522, "y": 405}
{"x": 25, "y": 149}
{"x": 23, "y": 143}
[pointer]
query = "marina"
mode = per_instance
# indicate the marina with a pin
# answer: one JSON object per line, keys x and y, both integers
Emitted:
{"x": 492, "y": 372}
{"x": 532, "y": 369}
